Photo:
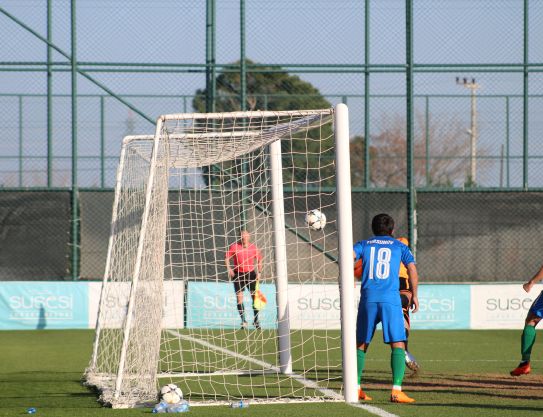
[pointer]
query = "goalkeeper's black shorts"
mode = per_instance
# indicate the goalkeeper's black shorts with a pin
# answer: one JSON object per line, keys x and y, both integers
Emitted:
{"x": 244, "y": 280}
{"x": 406, "y": 297}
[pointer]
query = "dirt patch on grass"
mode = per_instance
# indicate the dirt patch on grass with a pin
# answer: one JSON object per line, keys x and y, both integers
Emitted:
{"x": 525, "y": 387}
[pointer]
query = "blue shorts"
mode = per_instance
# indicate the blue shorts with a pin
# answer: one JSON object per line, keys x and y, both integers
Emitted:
{"x": 537, "y": 306}
{"x": 370, "y": 314}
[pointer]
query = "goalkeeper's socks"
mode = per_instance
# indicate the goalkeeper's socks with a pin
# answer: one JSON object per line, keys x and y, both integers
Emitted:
{"x": 360, "y": 361}
{"x": 527, "y": 342}
{"x": 397, "y": 363}
{"x": 241, "y": 312}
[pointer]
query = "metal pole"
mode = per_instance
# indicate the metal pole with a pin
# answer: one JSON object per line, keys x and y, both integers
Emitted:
{"x": 473, "y": 136}
{"x": 21, "y": 150}
{"x": 214, "y": 54}
{"x": 280, "y": 252}
{"x": 49, "y": 96}
{"x": 473, "y": 87}
{"x": 525, "y": 102}
{"x": 102, "y": 143}
{"x": 210, "y": 56}
{"x": 345, "y": 249}
{"x": 411, "y": 209}
{"x": 427, "y": 139}
{"x": 242, "y": 62}
{"x": 501, "y": 165}
{"x": 74, "y": 195}
{"x": 507, "y": 140}
{"x": 367, "y": 95}
{"x": 243, "y": 107}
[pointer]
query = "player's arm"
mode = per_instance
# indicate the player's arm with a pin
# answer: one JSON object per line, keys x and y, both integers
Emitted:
{"x": 535, "y": 279}
{"x": 259, "y": 264}
{"x": 414, "y": 285}
{"x": 229, "y": 254}
{"x": 358, "y": 249}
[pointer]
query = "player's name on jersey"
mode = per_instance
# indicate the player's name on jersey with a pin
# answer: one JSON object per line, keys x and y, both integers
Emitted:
{"x": 381, "y": 242}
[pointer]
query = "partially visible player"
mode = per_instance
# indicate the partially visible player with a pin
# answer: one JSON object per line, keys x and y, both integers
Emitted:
{"x": 380, "y": 299}
{"x": 533, "y": 317}
{"x": 406, "y": 296}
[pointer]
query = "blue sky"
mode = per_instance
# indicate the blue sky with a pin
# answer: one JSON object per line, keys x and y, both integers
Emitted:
{"x": 279, "y": 32}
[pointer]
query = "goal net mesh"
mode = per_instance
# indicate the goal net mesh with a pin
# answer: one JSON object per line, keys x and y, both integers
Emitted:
{"x": 168, "y": 310}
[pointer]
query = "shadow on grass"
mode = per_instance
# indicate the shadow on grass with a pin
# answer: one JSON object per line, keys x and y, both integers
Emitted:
{"x": 482, "y": 407}
{"x": 487, "y": 386}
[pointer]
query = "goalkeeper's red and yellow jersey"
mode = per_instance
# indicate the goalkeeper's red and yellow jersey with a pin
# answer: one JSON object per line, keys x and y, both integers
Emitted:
{"x": 244, "y": 258}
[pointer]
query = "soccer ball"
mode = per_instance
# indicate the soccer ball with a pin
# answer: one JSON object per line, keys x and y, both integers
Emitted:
{"x": 315, "y": 219}
{"x": 358, "y": 269}
{"x": 171, "y": 394}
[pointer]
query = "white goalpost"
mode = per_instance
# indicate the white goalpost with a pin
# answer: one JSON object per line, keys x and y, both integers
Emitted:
{"x": 168, "y": 312}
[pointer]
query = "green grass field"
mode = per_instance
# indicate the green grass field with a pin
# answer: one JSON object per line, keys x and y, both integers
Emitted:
{"x": 464, "y": 373}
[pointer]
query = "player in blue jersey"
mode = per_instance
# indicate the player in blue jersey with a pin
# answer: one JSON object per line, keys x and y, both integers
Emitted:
{"x": 380, "y": 300}
{"x": 533, "y": 317}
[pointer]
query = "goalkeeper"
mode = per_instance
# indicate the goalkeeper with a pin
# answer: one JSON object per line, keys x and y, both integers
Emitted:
{"x": 243, "y": 273}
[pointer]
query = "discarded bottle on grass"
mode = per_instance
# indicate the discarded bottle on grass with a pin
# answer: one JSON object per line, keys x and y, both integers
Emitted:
{"x": 181, "y": 407}
{"x": 239, "y": 404}
{"x": 31, "y": 410}
{"x": 161, "y": 407}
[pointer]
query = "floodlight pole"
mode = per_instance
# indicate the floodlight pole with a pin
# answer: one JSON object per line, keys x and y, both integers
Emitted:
{"x": 473, "y": 87}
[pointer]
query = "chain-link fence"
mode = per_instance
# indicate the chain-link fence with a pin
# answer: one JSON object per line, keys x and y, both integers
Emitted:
{"x": 444, "y": 96}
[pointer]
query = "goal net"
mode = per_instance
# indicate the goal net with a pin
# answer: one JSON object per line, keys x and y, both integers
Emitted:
{"x": 169, "y": 312}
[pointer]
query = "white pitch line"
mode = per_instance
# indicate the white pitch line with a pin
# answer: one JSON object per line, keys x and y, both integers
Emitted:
{"x": 373, "y": 410}
{"x": 310, "y": 384}
{"x": 460, "y": 360}
{"x": 266, "y": 365}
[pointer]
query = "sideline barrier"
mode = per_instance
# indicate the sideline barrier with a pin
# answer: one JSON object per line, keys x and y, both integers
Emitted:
{"x": 73, "y": 305}
{"x": 43, "y": 305}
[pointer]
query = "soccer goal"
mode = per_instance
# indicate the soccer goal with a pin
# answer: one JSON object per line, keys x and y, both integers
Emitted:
{"x": 168, "y": 311}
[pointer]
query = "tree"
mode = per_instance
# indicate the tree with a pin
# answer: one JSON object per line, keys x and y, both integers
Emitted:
{"x": 358, "y": 161}
{"x": 388, "y": 149}
{"x": 272, "y": 88}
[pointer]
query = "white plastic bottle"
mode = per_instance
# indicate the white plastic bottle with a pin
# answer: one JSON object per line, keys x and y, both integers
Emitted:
{"x": 161, "y": 407}
{"x": 181, "y": 407}
{"x": 239, "y": 404}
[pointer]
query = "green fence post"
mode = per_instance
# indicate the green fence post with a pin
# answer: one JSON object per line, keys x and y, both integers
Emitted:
{"x": 243, "y": 107}
{"x": 427, "y": 138}
{"x": 20, "y": 141}
{"x": 74, "y": 195}
{"x": 49, "y": 96}
{"x": 507, "y": 141}
{"x": 102, "y": 143}
{"x": 525, "y": 102}
{"x": 210, "y": 56}
{"x": 367, "y": 95}
{"x": 411, "y": 209}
